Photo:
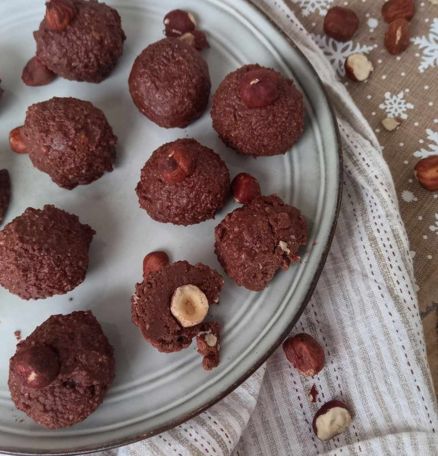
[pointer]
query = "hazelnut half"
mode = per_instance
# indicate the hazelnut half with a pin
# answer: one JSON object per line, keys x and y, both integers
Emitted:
{"x": 245, "y": 188}
{"x": 35, "y": 73}
{"x": 59, "y": 14}
{"x": 154, "y": 261}
{"x": 178, "y": 22}
{"x": 331, "y": 419}
{"x": 16, "y": 140}
{"x": 305, "y": 354}
{"x": 37, "y": 366}
{"x": 426, "y": 172}
{"x": 178, "y": 164}
{"x": 259, "y": 88}
{"x": 357, "y": 67}
{"x": 189, "y": 305}
{"x": 391, "y": 123}
{"x": 341, "y": 23}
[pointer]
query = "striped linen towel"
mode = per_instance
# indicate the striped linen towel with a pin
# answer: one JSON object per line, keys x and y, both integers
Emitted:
{"x": 364, "y": 311}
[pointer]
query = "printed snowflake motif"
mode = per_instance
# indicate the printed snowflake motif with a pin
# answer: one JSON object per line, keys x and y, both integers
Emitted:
{"x": 337, "y": 52}
{"x": 311, "y": 6}
{"x": 396, "y": 105}
{"x": 408, "y": 196}
{"x": 429, "y": 47}
{"x": 432, "y": 136}
{"x": 434, "y": 228}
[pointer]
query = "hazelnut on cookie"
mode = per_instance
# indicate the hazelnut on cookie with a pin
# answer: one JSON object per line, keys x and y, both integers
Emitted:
{"x": 170, "y": 307}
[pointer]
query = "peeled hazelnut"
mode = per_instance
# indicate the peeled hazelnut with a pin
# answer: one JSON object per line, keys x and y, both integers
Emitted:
{"x": 245, "y": 188}
{"x": 397, "y": 37}
{"x": 196, "y": 38}
{"x": 357, "y": 67}
{"x": 259, "y": 88}
{"x": 154, "y": 261}
{"x": 178, "y": 165}
{"x": 178, "y": 22}
{"x": 341, "y": 23}
{"x": 426, "y": 172}
{"x": 59, "y": 14}
{"x": 331, "y": 419}
{"x": 35, "y": 73}
{"x": 391, "y": 123}
{"x": 16, "y": 141}
{"x": 305, "y": 354}
{"x": 189, "y": 305}
{"x": 398, "y": 9}
{"x": 38, "y": 365}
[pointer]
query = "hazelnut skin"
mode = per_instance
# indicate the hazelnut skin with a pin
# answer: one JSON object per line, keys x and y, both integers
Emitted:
{"x": 341, "y": 23}
{"x": 178, "y": 22}
{"x": 16, "y": 141}
{"x": 259, "y": 88}
{"x": 154, "y": 261}
{"x": 37, "y": 366}
{"x": 178, "y": 164}
{"x": 305, "y": 354}
{"x": 245, "y": 188}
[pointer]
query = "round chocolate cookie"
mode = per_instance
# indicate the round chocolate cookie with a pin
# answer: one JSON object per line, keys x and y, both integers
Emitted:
{"x": 170, "y": 83}
{"x": 79, "y": 39}
{"x": 257, "y": 111}
{"x": 167, "y": 304}
{"x": 256, "y": 240}
{"x": 61, "y": 372}
{"x": 44, "y": 252}
{"x": 70, "y": 140}
{"x": 183, "y": 182}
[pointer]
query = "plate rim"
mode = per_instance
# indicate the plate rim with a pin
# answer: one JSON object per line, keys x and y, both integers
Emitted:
{"x": 177, "y": 421}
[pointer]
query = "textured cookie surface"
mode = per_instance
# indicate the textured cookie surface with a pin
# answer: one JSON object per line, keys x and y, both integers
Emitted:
{"x": 70, "y": 140}
{"x": 86, "y": 370}
{"x": 152, "y": 299}
{"x": 192, "y": 200}
{"x": 44, "y": 252}
{"x": 268, "y": 130}
{"x": 170, "y": 83}
{"x": 88, "y": 49}
{"x": 253, "y": 242}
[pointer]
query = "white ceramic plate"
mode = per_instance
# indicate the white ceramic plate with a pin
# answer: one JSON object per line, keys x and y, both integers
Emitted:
{"x": 154, "y": 391}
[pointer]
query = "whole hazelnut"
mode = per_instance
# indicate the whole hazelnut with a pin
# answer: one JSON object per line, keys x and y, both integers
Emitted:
{"x": 397, "y": 36}
{"x": 245, "y": 188}
{"x": 398, "y": 9}
{"x": 37, "y": 366}
{"x": 331, "y": 419}
{"x": 259, "y": 88}
{"x": 35, "y": 73}
{"x": 178, "y": 22}
{"x": 154, "y": 261}
{"x": 16, "y": 140}
{"x": 59, "y": 14}
{"x": 426, "y": 172}
{"x": 305, "y": 354}
{"x": 177, "y": 165}
{"x": 341, "y": 23}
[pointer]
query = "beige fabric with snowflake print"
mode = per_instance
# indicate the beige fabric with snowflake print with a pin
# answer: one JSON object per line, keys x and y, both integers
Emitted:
{"x": 406, "y": 87}
{"x": 365, "y": 313}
